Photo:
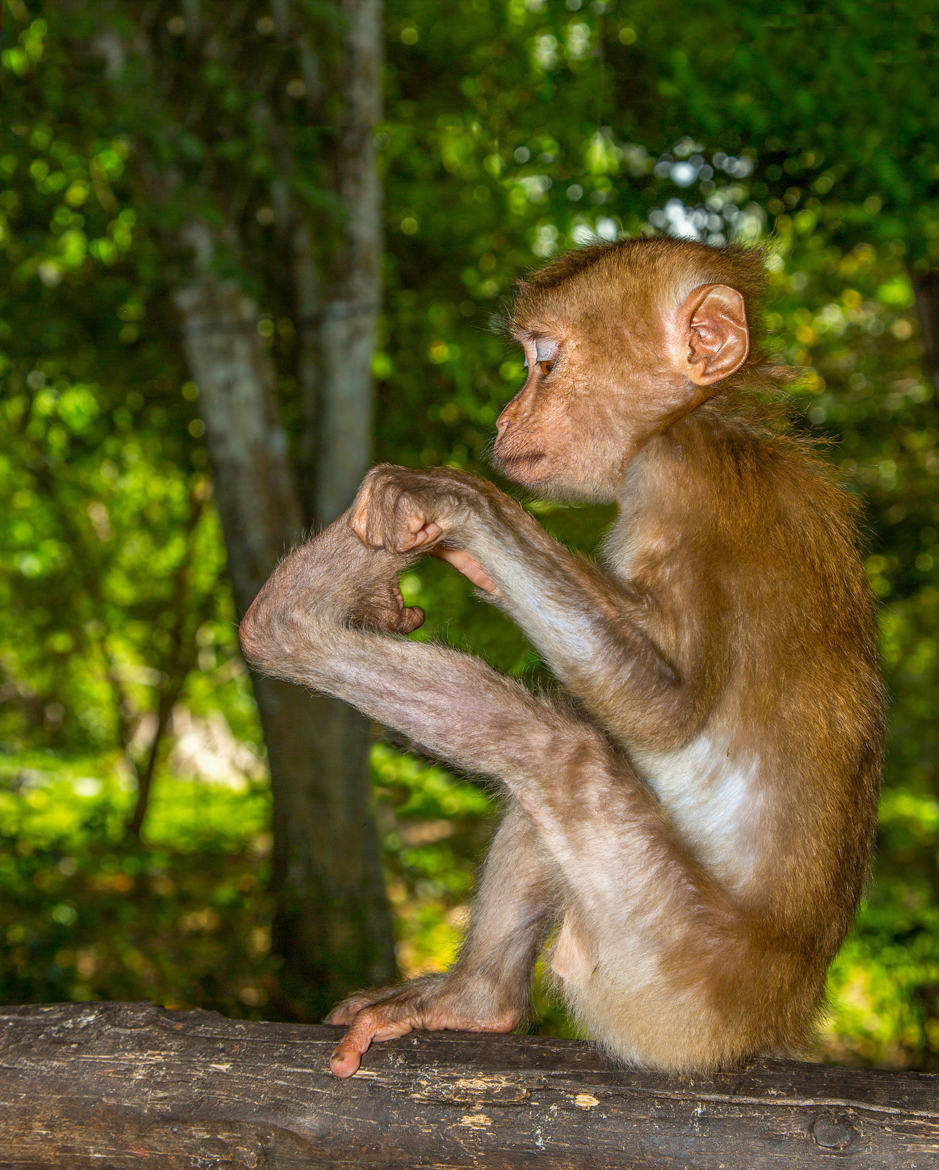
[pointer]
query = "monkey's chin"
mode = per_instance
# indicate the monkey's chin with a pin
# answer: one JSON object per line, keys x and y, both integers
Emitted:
{"x": 533, "y": 472}
{"x": 524, "y": 469}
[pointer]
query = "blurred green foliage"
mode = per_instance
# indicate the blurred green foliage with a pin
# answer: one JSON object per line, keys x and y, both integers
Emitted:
{"x": 513, "y": 130}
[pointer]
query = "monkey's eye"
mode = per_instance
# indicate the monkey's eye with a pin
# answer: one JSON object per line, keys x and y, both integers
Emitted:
{"x": 546, "y": 354}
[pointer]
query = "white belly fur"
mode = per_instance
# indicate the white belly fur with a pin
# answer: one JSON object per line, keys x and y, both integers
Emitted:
{"x": 714, "y": 800}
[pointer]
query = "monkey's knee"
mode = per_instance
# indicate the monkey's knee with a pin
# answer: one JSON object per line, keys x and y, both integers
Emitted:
{"x": 269, "y": 636}
{"x": 254, "y": 636}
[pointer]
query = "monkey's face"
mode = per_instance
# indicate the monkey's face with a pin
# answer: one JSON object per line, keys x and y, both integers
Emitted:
{"x": 611, "y": 363}
{"x": 584, "y": 409}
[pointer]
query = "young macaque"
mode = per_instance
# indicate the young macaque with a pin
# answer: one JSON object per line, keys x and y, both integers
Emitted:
{"x": 694, "y": 812}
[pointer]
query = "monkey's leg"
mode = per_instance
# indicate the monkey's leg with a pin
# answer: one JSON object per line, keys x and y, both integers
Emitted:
{"x": 657, "y": 960}
{"x": 636, "y": 664}
{"x": 488, "y": 988}
{"x": 650, "y": 941}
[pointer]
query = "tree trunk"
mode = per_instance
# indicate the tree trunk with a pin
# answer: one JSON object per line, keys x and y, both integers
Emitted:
{"x": 336, "y": 454}
{"x": 332, "y": 922}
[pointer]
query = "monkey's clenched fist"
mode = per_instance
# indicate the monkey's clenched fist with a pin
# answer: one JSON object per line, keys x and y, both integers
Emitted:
{"x": 384, "y": 610}
{"x": 403, "y": 510}
{"x": 400, "y": 509}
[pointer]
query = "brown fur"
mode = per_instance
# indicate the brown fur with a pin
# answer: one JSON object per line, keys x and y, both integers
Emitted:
{"x": 700, "y": 820}
{"x": 579, "y": 284}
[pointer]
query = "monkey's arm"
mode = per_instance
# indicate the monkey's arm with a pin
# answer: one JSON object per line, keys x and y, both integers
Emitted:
{"x": 636, "y": 663}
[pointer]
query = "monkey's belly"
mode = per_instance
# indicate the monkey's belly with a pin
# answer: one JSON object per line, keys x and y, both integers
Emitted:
{"x": 570, "y": 959}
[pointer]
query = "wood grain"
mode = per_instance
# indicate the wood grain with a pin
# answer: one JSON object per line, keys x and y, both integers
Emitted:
{"x": 115, "y": 1085}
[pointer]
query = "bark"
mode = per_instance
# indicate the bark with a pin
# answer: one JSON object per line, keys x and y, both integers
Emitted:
{"x": 332, "y": 925}
{"x": 125, "y": 1085}
{"x": 336, "y": 453}
{"x": 926, "y": 294}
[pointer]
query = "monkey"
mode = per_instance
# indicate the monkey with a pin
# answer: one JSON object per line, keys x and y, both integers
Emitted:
{"x": 690, "y": 817}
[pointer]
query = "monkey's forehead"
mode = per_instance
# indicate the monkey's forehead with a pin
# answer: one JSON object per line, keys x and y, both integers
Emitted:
{"x": 641, "y": 273}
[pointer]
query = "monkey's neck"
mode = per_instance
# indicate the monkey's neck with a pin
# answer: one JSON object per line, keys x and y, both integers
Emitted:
{"x": 721, "y": 464}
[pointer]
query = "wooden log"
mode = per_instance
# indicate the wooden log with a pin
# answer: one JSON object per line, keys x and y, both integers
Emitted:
{"x": 115, "y": 1085}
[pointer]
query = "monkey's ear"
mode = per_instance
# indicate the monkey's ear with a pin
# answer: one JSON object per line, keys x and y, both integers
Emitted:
{"x": 716, "y": 339}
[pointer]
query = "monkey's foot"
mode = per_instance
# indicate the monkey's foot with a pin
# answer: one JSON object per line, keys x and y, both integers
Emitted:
{"x": 388, "y": 1012}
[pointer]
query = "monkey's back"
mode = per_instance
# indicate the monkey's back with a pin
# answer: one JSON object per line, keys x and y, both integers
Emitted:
{"x": 768, "y": 537}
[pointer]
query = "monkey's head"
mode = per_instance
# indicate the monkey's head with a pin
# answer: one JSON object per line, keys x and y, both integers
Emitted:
{"x": 621, "y": 341}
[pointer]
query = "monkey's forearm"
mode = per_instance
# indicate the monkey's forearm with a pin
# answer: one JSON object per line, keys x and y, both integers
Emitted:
{"x": 608, "y": 644}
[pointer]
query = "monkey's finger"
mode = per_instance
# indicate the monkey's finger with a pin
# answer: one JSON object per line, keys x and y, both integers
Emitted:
{"x": 370, "y": 1024}
{"x": 345, "y": 1012}
{"x": 404, "y": 525}
{"x": 347, "y": 1009}
{"x": 411, "y": 619}
{"x": 357, "y": 521}
{"x": 375, "y": 524}
{"x": 364, "y": 522}
{"x": 426, "y": 534}
{"x": 469, "y": 567}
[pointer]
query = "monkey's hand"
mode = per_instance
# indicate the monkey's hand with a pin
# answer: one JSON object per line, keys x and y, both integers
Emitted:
{"x": 403, "y": 510}
{"x": 400, "y": 509}
{"x": 433, "y": 1002}
{"x": 384, "y": 610}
